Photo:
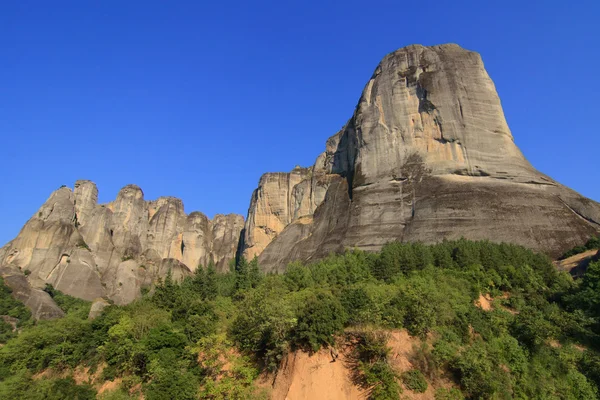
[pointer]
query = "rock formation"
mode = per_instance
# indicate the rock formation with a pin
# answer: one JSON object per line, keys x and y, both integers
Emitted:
{"x": 90, "y": 250}
{"x": 280, "y": 199}
{"x": 427, "y": 155}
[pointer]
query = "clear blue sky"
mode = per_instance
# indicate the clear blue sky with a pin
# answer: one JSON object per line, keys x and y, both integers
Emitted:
{"x": 197, "y": 99}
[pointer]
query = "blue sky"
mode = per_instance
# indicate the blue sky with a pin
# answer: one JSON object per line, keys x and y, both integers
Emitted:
{"x": 197, "y": 99}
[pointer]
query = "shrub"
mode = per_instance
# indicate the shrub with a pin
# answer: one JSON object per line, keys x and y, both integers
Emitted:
{"x": 21, "y": 386}
{"x": 118, "y": 394}
{"x": 57, "y": 344}
{"x": 448, "y": 394}
{"x": 479, "y": 373}
{"x": 177, "y": 338}
{"x": 414, "y": 380}
{"x": 593, "y": 243}
{"x": 65, "y": 388}
{"x": 357, "y": 305}
{"x": 426, "y": 361}
{"x": 172, "y": 383}
{"x": 11, "y": 307}
{"x": 264, "y": 326}
{"x": 82, "y": 245}
{"x": 373, "y": 369}
{"x": 321, "y": 317}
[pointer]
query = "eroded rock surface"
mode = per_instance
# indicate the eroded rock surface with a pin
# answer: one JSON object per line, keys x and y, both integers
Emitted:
{"x": 280, "y": 199}
{"x": 90, "y": 250}
{"x": 427, "y": 155}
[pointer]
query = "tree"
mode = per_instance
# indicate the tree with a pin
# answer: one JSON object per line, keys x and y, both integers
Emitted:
{"x": 254, "y": 274}
{"x": 321, "y": 317}
{"x": 242, "y": 275}
{"x": 211, "y": 286}
{"x": 265, "y": 324}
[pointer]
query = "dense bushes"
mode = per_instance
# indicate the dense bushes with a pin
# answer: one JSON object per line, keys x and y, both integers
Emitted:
{"x": 264, "y": 326}
{"x": 21, "y": 386}
{"x": 176, "y": 340}
{"x": 319, "y": 320}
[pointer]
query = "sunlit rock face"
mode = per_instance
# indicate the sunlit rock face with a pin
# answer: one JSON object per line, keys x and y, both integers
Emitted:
{"x": 279, "y": 200}
{"x": 427, "y": 155}
{"x": 90, "y": 250}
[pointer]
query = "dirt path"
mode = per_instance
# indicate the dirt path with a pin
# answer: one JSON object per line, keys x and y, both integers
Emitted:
{"x": 578, "y": 261}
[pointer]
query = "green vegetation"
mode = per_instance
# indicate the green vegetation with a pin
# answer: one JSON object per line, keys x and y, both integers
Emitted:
{"x": 593, "y": 243}
{"x": 11, "y": 309}
{"x": 210, "y": 335}
{"x": 83, "y": 245}
{"x": 21, "y": 386}
{"x": 415, "y": 381}
{"x": 373, "y": 367}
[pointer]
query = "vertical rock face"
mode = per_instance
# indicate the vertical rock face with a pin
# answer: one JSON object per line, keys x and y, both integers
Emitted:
{"x": 92, "y": 251}
{"x": 226, "y": 230}
{"x": 197, "y": 240}
{"x": 165, "y": 228}
{"x": 86, "y": 198}
{"x": 271, "y": 209}
{"x": 427, "y": 155}
{"x": 129, "y": 222}
{"x": 279, "y": 200}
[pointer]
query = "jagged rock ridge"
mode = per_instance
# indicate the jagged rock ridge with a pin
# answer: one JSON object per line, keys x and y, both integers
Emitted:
{"x": 90, "y": 250}
{"x": 427, "y": 155}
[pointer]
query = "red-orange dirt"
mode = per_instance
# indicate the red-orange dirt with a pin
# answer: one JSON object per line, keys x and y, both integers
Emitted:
{"x": 317, "y": 377}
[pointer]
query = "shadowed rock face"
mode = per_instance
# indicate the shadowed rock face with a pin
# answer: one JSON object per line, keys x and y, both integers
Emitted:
{"x": 111, "y": 250}
{"x": 427, "y": 155}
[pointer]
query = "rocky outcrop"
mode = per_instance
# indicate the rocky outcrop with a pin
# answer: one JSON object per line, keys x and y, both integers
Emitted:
{"x": 279, "y": 200}
{"x": 427, "y": 155}
{"x": 97, "y": 308}
{"x": 39, "y": 302}
{"x": 90, "y": 250}
{"x": 226, "y": 230}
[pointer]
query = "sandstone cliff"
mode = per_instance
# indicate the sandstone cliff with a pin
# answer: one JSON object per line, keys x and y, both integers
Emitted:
{"x": 427, "y": 155}
{"x": 90, "y": 250}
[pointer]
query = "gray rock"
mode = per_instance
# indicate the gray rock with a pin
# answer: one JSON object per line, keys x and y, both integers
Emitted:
{"x": 226, "y": 235}
{"x": 279, "y": 200}
{"x": 40, "y": 303}
{"x": 86, "y": 199}
{"x": 98, "y": 306}
{"x": 427, "y": 155}
{"x": 92, "y": 251}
